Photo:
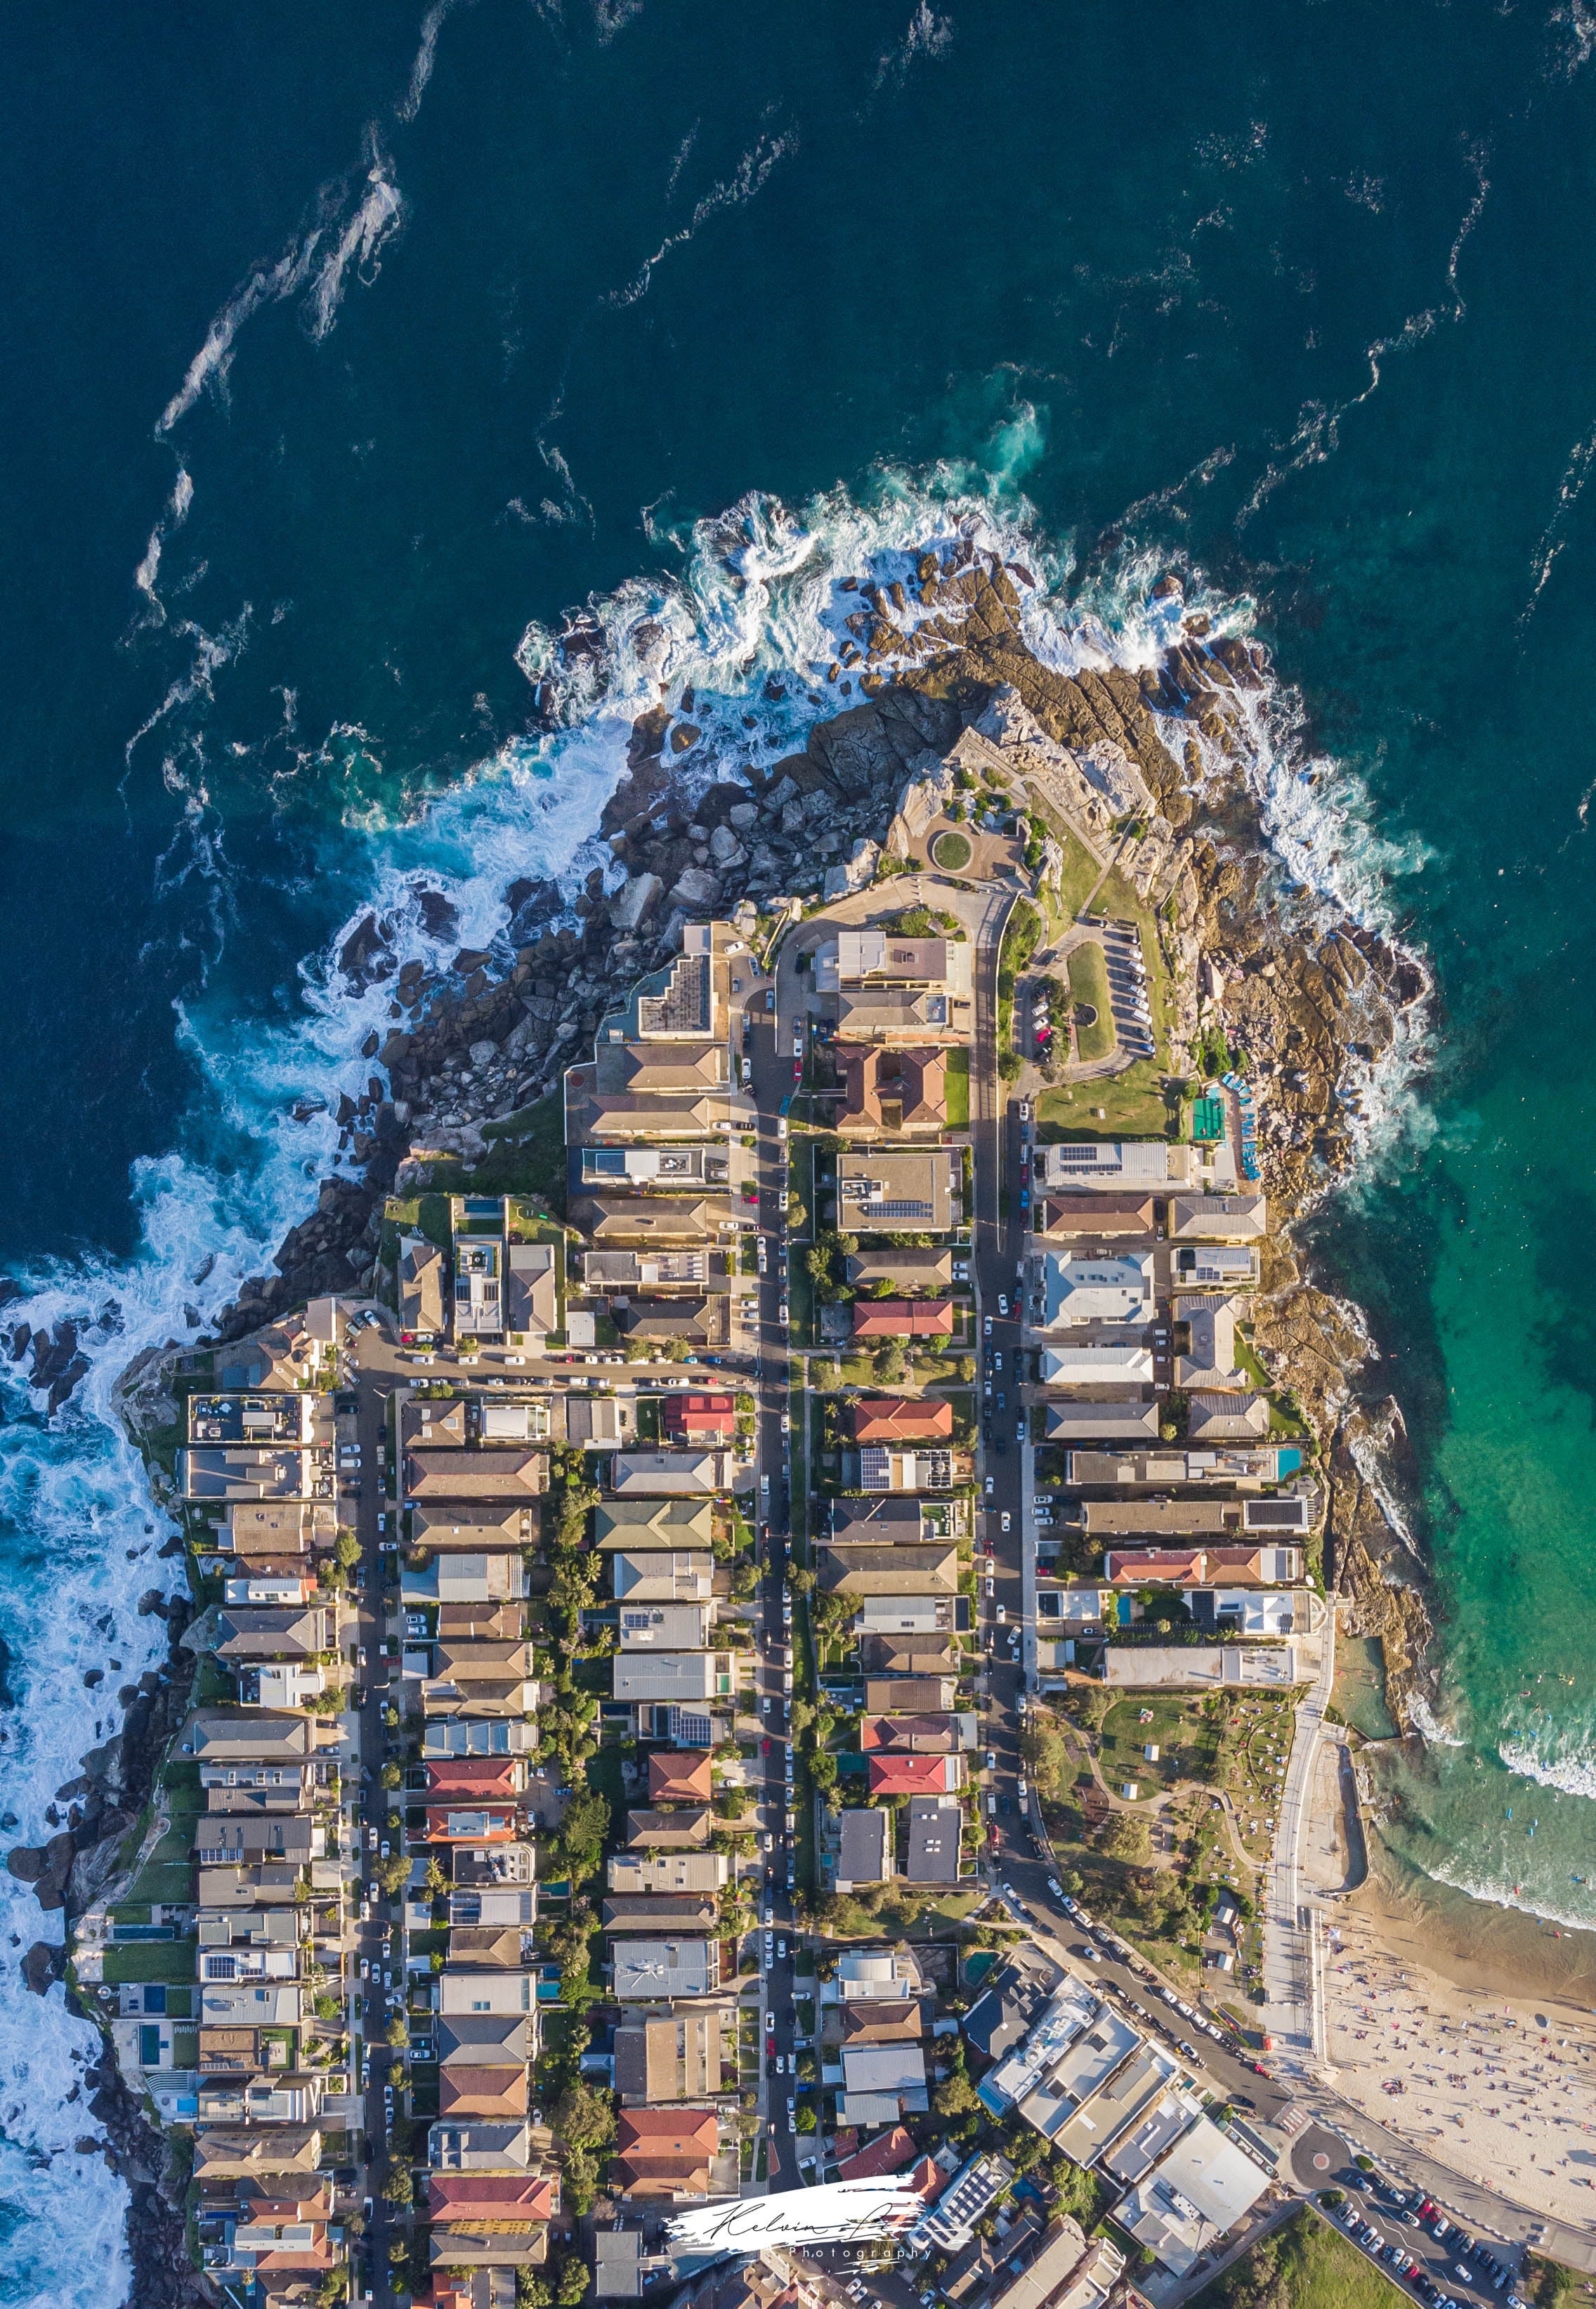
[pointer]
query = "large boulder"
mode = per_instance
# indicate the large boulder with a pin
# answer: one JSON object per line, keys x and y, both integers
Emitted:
{"x": 632, "y": 904}
{"x": 855, "y": 873}
{"x": 695, "y": 891}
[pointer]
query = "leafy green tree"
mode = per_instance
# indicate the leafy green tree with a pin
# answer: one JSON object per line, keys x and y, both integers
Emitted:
{"x": 584, "y": 2117}
{"x": 391, "y": 1776}
{"x": 398, "y": 2188}
{"x": 346, "y": 1550}
{"x": 955, "y": 2096}
{"x": 392, "y": 1873}
{"x": 572, "y": 2283}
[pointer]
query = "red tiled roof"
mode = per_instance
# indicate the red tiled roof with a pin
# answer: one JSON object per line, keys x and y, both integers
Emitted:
{"x": 463, "y": 2196}
{"x": 482, "y": 2092}
{"x": 911, "y": 1775}
{"x": 680, "y": 1779}
{"x": 667, "y": 2131}
{"x": 902, "y": 1318}
{"x": 889, "y": 2154}
{"x": 1158, "y": 1566}
{"x": 480, "y": 1775}
{"x": 900, "y": 1419}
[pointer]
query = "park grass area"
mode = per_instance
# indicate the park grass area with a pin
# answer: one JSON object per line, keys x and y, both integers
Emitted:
{"x": 1302, "y": 2264}
{"x": 958, "y": 1089}
{"x": 1128, "y": 1105}
{"x": 1187, "y": 1741}
{"x": 951, "y": 851}
{"x": 1088, "y": 990}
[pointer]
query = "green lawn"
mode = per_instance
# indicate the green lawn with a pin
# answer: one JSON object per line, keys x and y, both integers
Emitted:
{"x": 1133, "y": 1107}
{"x": 150, "y": 1961}
{"x": 1088, "y": 985}
{"x": 1187, "y": 1739}
{"x": 958, "y": 1090}
{"x": 952, "y": 852}
{"x": 1313, "y": 2268}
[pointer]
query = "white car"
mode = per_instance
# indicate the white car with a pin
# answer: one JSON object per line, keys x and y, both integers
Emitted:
{"x": 990, "y": 1482}
{"x": 782, "y": 1948}
{"x": 987, "y": 1328}
{"x": 997, "y": 1356}
{"x": 787, "y": 1422}
{"x": 1003, "y": 1302}
{"x": 1002, "y": 1614}
{"x": 1004, "y": 1519}
{"x": 798, "y": 1042}
{"x": 765, "y": 1843}
{"x": 769, "y": 1917}
{"x": 991, "y": 1589}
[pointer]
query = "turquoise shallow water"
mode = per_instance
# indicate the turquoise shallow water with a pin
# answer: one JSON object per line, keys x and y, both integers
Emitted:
{"x": 347, "y": 352}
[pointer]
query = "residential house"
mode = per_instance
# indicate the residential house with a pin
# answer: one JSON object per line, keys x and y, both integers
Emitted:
{"x": 912, "y": 1695}
{"x": 663, "y": 1679}
{"x": 664, "y": 2153}
{"x": 660, "y": 1912}
{"x": 687, "y": 1578}
{"x": 911, "y": 1267}
{"x": 1218, "y": 1218}
{"x": 687, "y": 1831}
{"x": 904, "y": 1318}
{"x": 881, "y": 1191}
{"x": 420, "y": 1290}
{"x": 683, "y": 1474}
{"x": 1209, "y": 1361}
{"x": 531, "y": 1292}
{"x": 654, "y": 1971}
{"x": 864, "y": 1848}
{"x": 893, "y": 1570}
{"x": 654, "y": 1524}
{"x": 1198, "y": 1567}
{"x": 247, "y": 1738}
{"x": 682, "y": 2057}
{"x": 1075, "y": 1421}
{"x": 1097, "y": 1362}
{"x": 665, "y": 1627}
{"x": 891, "y": 1091}
{"x": 884, "y": 1521}
{"x": 693, "y": 1421}
{"x": 1227, "y": 1418}
{"x": 679, "y": 1779}
{"x": 904, "y": 1774}
{"x": 509, "y": 1475}
{"x": 1101, "y": 1289}
{"x": 1101, "y": 1218}
{"x": 669, "y": 1872}
{"x": 900, "y": 1420}
{"x": 935, "y": 1823}
{"x": 928, "y": 1467}
{"x": 1137, "y": 1167}
{"x": 678, "y": 1220}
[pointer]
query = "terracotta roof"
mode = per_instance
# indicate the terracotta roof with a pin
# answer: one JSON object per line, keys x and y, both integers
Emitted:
{"x": 468, "y": 2196}
{"x": 902, "y": 1318}
{"x": 889, "y": 2154}
{"x": 900, "y": 1419}
{"x": 913, "y": 1775}
{"x": 677, "y": 1779}
{"x": 482, "y": 2092}
{"x": 480, "y": 1775}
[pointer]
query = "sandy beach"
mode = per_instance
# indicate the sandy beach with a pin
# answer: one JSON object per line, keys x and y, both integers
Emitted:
{"x": 1465, "y": 2028}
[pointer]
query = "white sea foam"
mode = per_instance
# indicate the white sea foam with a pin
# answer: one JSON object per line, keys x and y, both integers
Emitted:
{"x": 364, "y": 234}
{"x": 1428, "y": 1724}
{"x": 350, "y": 219}
{"x": 432, "y": 24}
{"x": 1566, "y": 1761}
{"x": 746, "y": 181}
{"x": 1498, "y": 1893}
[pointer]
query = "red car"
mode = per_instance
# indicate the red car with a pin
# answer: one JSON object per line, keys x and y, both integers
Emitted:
{"x": 765, "y": 1747}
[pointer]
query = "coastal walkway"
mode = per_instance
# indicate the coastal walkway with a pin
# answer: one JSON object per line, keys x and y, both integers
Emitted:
{"x": 1295, "y": 2017}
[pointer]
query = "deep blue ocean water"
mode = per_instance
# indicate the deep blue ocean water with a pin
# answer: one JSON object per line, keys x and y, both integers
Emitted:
{"x": 347, "y": 349}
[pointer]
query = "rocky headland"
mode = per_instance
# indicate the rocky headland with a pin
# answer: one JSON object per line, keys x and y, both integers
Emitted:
{"x": 1316, "y": 1001}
